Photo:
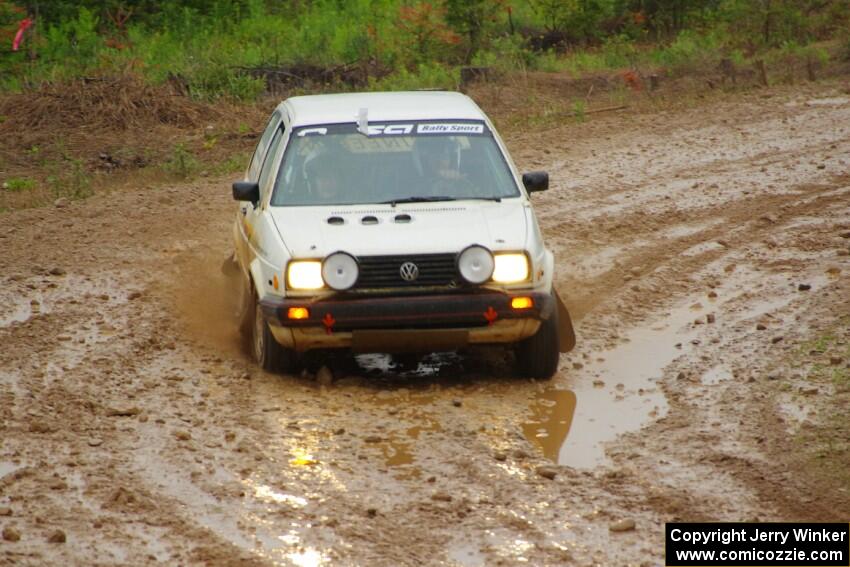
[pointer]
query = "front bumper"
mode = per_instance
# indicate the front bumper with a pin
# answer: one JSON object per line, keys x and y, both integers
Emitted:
{"x": 406, "y": 323}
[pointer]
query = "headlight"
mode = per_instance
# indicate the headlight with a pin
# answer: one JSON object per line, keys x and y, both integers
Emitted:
{"x": 304, "y": 274}
{"x": 510, "y": 268}
{"x": 475, "y": 264}
{"x": 340, "y": 271}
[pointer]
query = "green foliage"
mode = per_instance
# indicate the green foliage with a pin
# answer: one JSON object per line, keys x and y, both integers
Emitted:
{"x": 78, "y": 181}
{"x": 508, "y": 53}
{"x": 580, "y": 110}
{"x": 10, "y": 14}
{"x": 665, "y": 18}
{"x": 233, "y": 164}
{"x": 425, "y": 76}
{"x": 213, "y": 46}
{"x": 429, "y": 37}
{"x": 690, "y": 50}
{"x": 473, "y": 19}
{"x": 70, "y": 179}
{"x": 617, "y": 52}
{"x": 18, "y": 184}
{"x": 771, "y": 23}
{"x": 74, "y": 42}
{"x": 579, "y": 20}
{"x": 548, "y": 61}
{"x": 182, "y": 163}
{"x": 792, "y": 55}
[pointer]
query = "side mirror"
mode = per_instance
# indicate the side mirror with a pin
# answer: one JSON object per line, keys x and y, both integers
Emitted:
{"x": 246, "y": 191}
{"x": 535, "y": 181}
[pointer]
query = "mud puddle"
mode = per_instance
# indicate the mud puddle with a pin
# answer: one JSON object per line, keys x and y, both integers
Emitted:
{"x": 716, "y": 375}
{"x": 227, "y": 518}
{"x": 615, "y": 393}
{"x": 467, "y": 555}
{"x": 29, "y": 298}
{"x": 7, "y": 468}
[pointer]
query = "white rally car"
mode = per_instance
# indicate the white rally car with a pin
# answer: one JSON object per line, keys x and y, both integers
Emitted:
{"x": 392, "y": 222}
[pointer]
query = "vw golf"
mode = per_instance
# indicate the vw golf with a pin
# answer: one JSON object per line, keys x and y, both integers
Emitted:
{"x": 392, "y": 222}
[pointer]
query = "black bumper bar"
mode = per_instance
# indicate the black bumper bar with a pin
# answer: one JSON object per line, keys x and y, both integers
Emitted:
{"x": 407, "y": 312}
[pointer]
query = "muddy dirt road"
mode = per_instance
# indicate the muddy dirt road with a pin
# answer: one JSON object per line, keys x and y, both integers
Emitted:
{"x": 698, "y": 249}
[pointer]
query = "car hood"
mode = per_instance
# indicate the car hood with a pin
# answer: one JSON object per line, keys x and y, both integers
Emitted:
{"x": 384, "y": 230}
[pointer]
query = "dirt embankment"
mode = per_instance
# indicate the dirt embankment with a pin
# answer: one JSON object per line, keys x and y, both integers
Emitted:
{"x": 69, "y": 140}
{"x": 704, "y": 252}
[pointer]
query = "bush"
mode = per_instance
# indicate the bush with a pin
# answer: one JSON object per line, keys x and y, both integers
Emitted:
{"x": 428, "y": 36}
{"x": 425, "y": 76}
{"x": 690, "y": 51}
{"x": 18, "y": 184}
{"x": 507, "y": 53}
{"x": 182, "y": 163}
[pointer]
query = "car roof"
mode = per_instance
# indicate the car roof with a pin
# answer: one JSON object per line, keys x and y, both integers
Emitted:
{"x": 382, "y": 107}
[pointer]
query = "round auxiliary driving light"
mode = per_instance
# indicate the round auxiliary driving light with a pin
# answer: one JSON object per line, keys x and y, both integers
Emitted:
{"x": 476, "y": 264}
{"x": 340, "y": 271}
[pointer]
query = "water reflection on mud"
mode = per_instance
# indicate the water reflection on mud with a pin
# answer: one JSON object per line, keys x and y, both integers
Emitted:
{"x": 398, "y": 451}
{"x": 551, "y": 416}
{"x": 614, "y": 393}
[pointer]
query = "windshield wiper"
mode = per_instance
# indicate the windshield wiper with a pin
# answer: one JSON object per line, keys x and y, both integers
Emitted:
{"x": 496, "y": 199}
{"x": 394, "y": 202}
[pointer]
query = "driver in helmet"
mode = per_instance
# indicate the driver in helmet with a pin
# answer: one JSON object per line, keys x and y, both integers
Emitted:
{"x": 324, "y": 183}
{"x": 437, "y": 160}
{"x": 327, "y": 187}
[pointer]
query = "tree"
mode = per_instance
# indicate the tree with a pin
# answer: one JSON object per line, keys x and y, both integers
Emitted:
{"x": 668, "y": 17}
{"x": 471, "y": 19}
{"x": 425, "y": 25}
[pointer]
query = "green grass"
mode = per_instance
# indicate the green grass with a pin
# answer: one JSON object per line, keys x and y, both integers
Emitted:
{"x": 70, "y": 179}
{"x": 825, "y": 442}
{"x": 211, "y": 51}
{"x": 579, "y": 110}
{"x": 820, "y": 344}
{"x": 235, "y": 163}
{"x": 18, "y": 184}
{"x": 182, "y": 163}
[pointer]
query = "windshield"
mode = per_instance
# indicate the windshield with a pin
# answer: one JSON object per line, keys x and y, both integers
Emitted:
{"x": 397, "y": 162}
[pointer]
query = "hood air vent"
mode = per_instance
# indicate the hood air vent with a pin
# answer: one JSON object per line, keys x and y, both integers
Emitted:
{"x": 417, "y": 210}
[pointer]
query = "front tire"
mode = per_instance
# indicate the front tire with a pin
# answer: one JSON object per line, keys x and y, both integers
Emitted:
{"x": 270, "y": 355}
{"x": 537, "y": 356}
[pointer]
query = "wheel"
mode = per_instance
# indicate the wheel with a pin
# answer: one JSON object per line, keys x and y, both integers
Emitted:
{"x": 267, "y": 352}
{"x": 537, "y": 356}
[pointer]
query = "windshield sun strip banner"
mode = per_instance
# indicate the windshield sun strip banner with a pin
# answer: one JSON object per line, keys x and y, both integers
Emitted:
{"x": 389, "y": 129}
{"x": 450, "y": 128}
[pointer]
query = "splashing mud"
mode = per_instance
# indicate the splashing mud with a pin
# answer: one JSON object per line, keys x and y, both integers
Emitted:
{"x": 205, "y": 298}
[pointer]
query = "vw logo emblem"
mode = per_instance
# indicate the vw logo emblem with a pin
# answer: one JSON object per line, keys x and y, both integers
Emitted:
{"x": 409, "y": 271}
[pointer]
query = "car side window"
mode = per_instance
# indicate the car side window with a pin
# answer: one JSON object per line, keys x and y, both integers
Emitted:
{"x": 262, "y": 146}
{"x": 268, "y": 163}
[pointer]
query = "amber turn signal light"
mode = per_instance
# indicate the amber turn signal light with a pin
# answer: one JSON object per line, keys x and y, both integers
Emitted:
{"x": 298, "y": 313}
{"x": 522, "y": 303}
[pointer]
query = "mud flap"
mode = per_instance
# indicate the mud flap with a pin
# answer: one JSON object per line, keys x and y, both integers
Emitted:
{"x": 566, "y": 334}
